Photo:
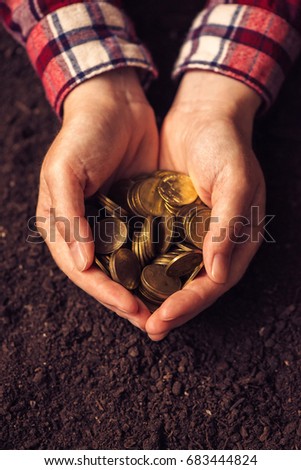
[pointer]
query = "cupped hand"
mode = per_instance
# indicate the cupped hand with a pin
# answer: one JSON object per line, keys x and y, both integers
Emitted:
{"x": 108, "y": 133}
{"x": 207, "y": 134}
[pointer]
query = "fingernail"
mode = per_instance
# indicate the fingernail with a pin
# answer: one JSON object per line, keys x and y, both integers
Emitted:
{"x": 79, "y": 255}
{"x": 158, "y": 337}
{"x": 220, "y": 267}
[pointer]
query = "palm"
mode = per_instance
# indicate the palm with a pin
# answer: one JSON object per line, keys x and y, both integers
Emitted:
{"x": 111, "y": 152}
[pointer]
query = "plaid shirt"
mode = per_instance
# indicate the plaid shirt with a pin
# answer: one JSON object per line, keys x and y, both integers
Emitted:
{"x": 254, "y": 41}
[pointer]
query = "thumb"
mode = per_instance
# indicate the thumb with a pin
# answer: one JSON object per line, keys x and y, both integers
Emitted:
{"x": 231, "y": 201}
{"x": 67, "y": 213}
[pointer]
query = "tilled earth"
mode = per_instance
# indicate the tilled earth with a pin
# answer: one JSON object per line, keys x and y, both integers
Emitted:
{"x": 74, "y": 375}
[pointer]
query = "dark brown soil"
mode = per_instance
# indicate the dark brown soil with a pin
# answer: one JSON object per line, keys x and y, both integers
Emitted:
{"x": 76, "y": 376}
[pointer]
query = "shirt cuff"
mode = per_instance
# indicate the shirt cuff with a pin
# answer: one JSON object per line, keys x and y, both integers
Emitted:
{"x": 80, "y": 41}
{"x": 246, "y": 43}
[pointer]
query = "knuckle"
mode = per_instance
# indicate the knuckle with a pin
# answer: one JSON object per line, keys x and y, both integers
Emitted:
{"x": 51, "y": 170}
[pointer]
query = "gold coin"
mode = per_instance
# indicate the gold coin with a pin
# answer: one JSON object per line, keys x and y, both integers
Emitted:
{"x": 171, "y": 209}
{"x": 125, "y": 268}
{"x": 164, "y": 259}
{"x": 101, "y": 265}
{"x": 146, "y": 294}
{"x": 155, "y": 280}
{"x": 111, "y": 208}
{"x": 148, "y": 237}
{"x": 187, "y": 210}
{"x": 150, "y": 201}
{"x": 184, "y": 246}
{"x": 105, "y": 260}
{"x": 172, "y": 221}
{"x": 184, "y": 263}
{"x": 135, "y": 245}
{"x": 111, "y": 234}
{"x": 194, "y": 274}
{"x": 162, "y": 173}
{"x": 136, "y": 248}
{"x": 132, "y": 199}
{"x": 164, "y": 233}
{"x": 142, "y": 249}
{"x": 197, "y": 226}
{"x": 177, "y": 190}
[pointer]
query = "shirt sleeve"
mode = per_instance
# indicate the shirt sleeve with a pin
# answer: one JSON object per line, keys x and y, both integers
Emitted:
{"x": 71, "y": 41}
{"x": 254, "y": 41}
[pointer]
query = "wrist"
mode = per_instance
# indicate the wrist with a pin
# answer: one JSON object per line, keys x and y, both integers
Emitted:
{"x": 217, "y": 96}
{"x": 113, "y": 88}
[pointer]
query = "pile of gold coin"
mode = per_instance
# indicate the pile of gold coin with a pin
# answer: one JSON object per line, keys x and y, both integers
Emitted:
{"x": 149, "y": 233}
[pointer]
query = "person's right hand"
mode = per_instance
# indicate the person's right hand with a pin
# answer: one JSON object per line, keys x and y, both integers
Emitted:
{"x": 108, "y": 133}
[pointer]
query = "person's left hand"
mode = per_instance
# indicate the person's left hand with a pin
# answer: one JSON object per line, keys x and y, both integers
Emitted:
{"x": 207, "y": 134}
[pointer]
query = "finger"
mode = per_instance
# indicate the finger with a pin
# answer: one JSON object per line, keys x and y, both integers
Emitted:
{"x": 182, "y": 307}
{"x": 138, "y": 320}
{"x": 94, "y": 281}
{"x": 66, "y": 190}
{"x": 231, "y": 199}
{"x": 142, "y": 316}
{"x": 198, "y": 295}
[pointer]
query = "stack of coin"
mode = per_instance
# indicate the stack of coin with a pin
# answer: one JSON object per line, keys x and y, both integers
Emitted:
{"x": 149, "y": 233}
